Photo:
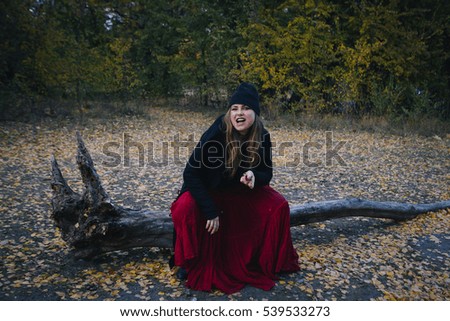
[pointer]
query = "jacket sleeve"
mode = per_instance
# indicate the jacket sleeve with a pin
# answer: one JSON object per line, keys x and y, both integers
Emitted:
{"x": 264, "y": 170}
{"x": 195, "y": 173}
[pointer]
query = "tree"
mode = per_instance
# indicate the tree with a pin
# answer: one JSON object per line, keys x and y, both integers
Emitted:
{"x": 187, "y": 45}
{"x": 70, "y": 56}
{"x": 430, "y": 20}
{"x": 380, "y": 56}
{"x": 12, "y": 35}
{"x": 203, "y": 48}
{"x": 358, "y": 57}
{"x": 20, "y": 38}
{"x": 292, "y": 49}
{"x": 369, "y": 56}
{"x": 92, "y": 224}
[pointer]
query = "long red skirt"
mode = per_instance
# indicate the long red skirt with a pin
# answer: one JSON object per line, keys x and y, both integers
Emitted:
{"x": 252, "y": 245}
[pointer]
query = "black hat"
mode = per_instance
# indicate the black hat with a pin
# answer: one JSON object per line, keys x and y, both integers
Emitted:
{"x": 246, "y": 94}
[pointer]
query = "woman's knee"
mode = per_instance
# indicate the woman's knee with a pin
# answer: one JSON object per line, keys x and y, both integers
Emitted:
{"x": 184, "y": 206}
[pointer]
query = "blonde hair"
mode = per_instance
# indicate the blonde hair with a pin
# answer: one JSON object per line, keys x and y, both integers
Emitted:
{"x": 239, "y": 147}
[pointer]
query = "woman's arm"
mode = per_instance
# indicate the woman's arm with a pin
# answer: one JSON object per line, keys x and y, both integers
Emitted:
{"x": 264, "y": 171}
{"x": 192, "y": 177}
{"x": 195, "y": 172}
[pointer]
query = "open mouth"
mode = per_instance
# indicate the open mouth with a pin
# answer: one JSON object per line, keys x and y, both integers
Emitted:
{"x": 240, "y": 120}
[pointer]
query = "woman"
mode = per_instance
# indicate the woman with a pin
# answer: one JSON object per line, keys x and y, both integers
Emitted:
{"x": 231, "y": 227}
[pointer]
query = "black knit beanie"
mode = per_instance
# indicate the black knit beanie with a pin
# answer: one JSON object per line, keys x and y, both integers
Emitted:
{"x": 246, "y": 94}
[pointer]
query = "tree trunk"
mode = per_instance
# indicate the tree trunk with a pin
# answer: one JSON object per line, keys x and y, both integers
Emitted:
{"x": 91, "y": 224}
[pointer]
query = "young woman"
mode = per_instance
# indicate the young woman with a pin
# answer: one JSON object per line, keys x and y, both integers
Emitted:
{"x": 231, "y": 227}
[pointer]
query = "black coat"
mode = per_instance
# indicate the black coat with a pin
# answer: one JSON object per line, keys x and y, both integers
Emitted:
{"x": 206, "y": 170}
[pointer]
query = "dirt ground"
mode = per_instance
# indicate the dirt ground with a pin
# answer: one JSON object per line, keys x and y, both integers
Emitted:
{"x": 342, "y": 259}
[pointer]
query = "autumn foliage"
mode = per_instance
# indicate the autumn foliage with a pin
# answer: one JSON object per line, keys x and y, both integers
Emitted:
{"x": 342, "y": 259}
{"x": 355, "y": 57}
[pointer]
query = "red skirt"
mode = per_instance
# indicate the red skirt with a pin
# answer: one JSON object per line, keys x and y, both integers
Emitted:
{"x": 252, "y": 245}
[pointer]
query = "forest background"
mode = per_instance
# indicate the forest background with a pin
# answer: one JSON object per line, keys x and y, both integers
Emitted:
{"x": 385, "y": 59}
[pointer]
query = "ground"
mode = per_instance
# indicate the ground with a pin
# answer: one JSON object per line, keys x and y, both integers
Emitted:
{"x": 140, "y": 161}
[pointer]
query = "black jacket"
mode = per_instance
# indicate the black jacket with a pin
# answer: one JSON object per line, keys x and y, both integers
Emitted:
{"x": 205, "y": 170}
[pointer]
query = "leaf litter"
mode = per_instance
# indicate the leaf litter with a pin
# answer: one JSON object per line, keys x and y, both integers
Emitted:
{"x": 342, "y": 259}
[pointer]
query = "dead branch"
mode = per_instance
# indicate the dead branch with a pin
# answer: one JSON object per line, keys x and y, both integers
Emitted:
{"x": 92, "y": 224}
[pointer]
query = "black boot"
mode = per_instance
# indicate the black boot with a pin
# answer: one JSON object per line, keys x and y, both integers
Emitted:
{"x": 182, "y": 274}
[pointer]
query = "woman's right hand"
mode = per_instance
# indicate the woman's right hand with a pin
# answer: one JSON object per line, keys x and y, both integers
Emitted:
{"x": 212, "y": 226}
{"x": 248, "y": 178}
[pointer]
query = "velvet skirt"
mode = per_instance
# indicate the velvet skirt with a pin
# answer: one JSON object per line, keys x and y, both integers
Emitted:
{"x": 252, "y": 245}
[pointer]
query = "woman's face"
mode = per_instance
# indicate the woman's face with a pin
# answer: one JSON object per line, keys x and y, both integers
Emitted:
{"x": 242, "y": 118}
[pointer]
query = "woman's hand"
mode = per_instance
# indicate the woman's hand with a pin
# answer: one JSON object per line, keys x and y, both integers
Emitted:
{"x": 212, "y": 226}
{"x": 248, "y": 179}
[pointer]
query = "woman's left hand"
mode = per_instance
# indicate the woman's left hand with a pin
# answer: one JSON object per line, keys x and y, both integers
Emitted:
{"x": 212, "y": 226}
{"x": 248, "y": 179}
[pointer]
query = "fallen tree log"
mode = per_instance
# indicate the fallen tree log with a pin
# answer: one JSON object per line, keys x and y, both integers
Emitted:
{"x": 92, "y": 224}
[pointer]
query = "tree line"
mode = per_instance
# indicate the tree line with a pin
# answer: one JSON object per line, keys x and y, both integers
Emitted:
{"x": 373, "y": 57}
